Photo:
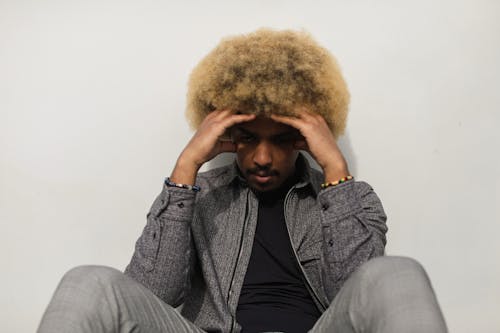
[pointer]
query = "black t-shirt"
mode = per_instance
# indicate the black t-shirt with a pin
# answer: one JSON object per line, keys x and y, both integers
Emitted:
{"x": 274, "y": 296}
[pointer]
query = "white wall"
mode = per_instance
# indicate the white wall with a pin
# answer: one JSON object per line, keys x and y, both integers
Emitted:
{"x": 91, "y": 120}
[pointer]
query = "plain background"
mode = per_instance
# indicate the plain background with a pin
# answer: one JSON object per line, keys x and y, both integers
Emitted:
{"x": 92, "y": 99}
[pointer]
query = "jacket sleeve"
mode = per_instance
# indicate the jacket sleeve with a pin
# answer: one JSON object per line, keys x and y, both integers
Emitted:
{"x": 163, "y": 254}
{"x": 354, "y": 228}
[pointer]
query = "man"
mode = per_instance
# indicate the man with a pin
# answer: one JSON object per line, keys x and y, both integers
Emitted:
{"x": 266, "y": 243}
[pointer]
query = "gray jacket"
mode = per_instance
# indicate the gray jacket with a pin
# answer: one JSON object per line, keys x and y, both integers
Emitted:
{"x": 195, "y": 247}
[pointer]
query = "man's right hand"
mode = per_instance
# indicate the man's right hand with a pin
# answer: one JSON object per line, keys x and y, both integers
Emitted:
{"x": 206, "y": 143}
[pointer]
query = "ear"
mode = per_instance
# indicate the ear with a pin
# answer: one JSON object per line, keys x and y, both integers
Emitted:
{"x": 301, "y": 144}
{"x": 226, "y": 136}
{"x": 227, "y": 146}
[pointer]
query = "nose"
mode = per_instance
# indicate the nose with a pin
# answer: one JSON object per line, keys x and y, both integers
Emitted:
{"x": 263, "y": 155}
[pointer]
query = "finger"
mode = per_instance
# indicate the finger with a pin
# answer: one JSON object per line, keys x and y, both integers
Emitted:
{"x": 291, "y": 121}
{"x": 218, "y": 115}
{"x": 308, "y": 116}
{"x": 224, "y": 125}
{"x": 236, "y": 119}
{"x": 224, "y": 119}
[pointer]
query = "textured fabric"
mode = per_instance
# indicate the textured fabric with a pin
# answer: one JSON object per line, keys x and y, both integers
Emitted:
{"x": 195, "y": 247}
{"x": 385, "y": 295}
{"x": 99, "y": 299}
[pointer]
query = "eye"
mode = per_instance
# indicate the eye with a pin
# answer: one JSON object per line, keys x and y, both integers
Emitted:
{"x": 284, "y": 139}
{"x": 246, "y": 138}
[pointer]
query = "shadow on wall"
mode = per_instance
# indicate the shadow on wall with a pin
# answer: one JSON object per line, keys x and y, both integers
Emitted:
{"x": 343, "y": 142}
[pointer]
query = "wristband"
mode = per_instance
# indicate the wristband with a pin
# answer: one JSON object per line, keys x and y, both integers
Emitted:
{"x": 194, "y": 188}
{"x": 340, "y": 181}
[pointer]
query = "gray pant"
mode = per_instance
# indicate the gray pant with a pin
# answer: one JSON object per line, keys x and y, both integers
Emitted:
{"x": 386, "y": 294}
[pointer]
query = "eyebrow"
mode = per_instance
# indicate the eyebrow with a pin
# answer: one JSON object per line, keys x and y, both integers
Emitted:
{"x": 244, "y": 131}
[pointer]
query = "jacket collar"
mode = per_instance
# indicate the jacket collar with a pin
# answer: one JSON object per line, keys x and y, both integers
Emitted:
{"x": 303, "y": 167}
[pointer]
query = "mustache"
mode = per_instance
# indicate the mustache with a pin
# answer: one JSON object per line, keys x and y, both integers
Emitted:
{"x": 262, "y": 171}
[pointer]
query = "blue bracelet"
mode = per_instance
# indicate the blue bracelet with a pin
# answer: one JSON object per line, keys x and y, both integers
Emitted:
{"x": 169, "y": 183}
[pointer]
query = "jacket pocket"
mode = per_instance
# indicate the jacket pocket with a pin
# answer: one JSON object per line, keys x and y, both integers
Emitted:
{"x": 310, "y": 260}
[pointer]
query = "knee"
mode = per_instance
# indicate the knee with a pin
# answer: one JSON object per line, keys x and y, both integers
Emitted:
{"x": 91, "y": 276}
{"x": 82, "y": 289}
{"x": 390, "y": 268}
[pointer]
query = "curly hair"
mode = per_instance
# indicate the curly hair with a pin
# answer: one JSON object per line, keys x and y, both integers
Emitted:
{"x": 269, "y": 72}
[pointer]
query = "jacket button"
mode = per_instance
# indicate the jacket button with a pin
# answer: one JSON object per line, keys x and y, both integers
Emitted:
{"x": 330, "y": 242}
{"x": 180, "y": 205}
{"x": 324, "y": 207}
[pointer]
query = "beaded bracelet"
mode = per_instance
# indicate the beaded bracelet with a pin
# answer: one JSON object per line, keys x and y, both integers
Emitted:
{"x": 340, "y": 181}
{"x": 169, "y": 183}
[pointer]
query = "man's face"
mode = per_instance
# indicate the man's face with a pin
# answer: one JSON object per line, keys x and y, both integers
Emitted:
{"x": 265, "y": 152}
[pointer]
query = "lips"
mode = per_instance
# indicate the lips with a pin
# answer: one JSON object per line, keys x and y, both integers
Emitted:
{"x": 262, "y": 177}
{"x": 262, "y": 174}
{"x": 262, "y": 180}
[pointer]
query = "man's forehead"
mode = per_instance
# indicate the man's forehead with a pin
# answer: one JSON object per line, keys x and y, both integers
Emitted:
{"x": 265, "y": 129}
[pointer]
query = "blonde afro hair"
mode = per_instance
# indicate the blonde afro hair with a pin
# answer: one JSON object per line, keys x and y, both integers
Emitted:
{"x": 269, "y": 72}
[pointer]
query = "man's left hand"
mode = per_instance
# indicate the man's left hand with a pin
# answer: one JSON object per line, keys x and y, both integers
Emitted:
{"x": 318, "y": 141}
